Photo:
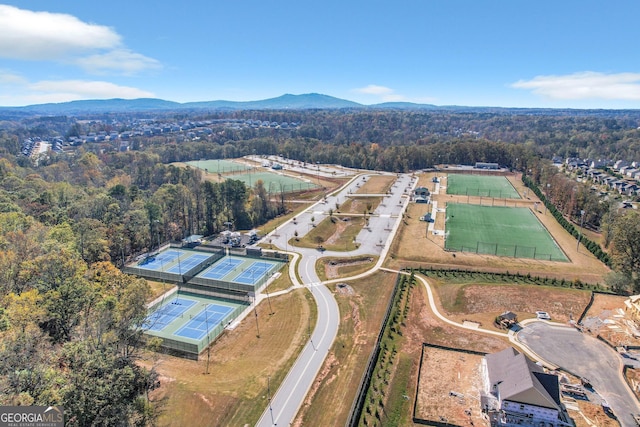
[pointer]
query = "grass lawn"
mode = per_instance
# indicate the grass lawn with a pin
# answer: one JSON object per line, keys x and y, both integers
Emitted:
{"x": 481, "y": 185}
{"x": 333, "y": 234}
{"x": 499, "y": 230}
{"x": 359, "y": 205}
{"x": 332, "y": 268}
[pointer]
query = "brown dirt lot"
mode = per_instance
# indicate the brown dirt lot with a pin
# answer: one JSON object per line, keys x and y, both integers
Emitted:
{"x": 412, "y": 247}
{"x": 483, "y": 302}
{"x": 377, "y": 184}
{"x": 450, "y": 394}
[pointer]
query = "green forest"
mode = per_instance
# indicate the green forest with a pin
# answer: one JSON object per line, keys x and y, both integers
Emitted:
{"x": 71, "y": 322}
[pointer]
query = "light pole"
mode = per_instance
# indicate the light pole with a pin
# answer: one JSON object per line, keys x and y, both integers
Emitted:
{"x": 580, "y": 234}
{"x": 547, "y": 198}
{"x": 269, "y": 397}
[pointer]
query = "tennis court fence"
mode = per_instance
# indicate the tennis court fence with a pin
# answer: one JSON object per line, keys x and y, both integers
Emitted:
{"x": 514, "y": 251}
{"x": 153, "y": 274}
{"x": 192, "y": 350}
{"x": 498, "y": 194}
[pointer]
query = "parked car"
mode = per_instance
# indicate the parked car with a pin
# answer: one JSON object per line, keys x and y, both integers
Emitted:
{"x": 543, "y": 315}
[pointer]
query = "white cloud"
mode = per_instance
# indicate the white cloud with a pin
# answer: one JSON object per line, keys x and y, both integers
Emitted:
{"x": 17, "y": 91}
{"x": 121, "y": 60}
{"x": 9, "y": 78}
{"x": 585, "y": 85}
{"x": 386, "y": 94}
{"x": 46, "y": 36}
{"x": 82, "y": 89}
{"x": 25, "y": 34}
{"x": 374, "y": 90}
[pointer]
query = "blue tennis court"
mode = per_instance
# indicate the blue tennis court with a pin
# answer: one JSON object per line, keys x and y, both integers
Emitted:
{"x": 160, "y": 318}
{"x": 221, "y": 269}
{"x": 252, "y": 274}
{"x": 204, "y": 321}
{"x": 158, "y": 261}
{"x": 188, "y": 263}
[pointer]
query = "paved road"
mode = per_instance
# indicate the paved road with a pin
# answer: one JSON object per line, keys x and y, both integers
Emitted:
{"x": 382, "y": 226}
{"x": 585, "y": 356}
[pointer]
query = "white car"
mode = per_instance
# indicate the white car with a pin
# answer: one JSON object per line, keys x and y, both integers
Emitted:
{"x": 543, "y": 315}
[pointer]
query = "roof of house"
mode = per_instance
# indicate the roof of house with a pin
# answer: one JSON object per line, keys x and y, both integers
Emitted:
{"x": 508, "y": 315}
{"x": 518, "y": 379}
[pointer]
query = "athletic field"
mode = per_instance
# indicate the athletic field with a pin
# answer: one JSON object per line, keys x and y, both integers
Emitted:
{"x": 481, "y": 185}
{"x": 219, "y": 166}
{"x": 499, "y": 230}
{"x": 274, "y": 182}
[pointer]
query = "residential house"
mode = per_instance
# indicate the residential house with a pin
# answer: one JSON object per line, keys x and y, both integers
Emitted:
{"x": 620, "y": 164}
{"x": 518, "y": 392}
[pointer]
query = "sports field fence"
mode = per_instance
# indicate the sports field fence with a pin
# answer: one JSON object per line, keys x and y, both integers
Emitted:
{"x": 513, "y": 251}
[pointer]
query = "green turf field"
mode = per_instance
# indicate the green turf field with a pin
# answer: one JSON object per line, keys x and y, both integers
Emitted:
{"x": 481, "y": 185}
{"x": 274, "y": 182}
{"x": 498, "y": 230}
{"x": 219, "y": 166}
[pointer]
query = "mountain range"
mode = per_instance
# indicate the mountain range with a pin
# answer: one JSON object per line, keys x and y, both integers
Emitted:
{"x": 285, "y": 102}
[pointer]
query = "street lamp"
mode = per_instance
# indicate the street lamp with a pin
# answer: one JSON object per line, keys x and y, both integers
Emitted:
{"x": 580, "y": 234}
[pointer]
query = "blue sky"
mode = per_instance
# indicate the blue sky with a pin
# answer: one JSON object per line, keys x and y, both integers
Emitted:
{"x": 509, "y": 53}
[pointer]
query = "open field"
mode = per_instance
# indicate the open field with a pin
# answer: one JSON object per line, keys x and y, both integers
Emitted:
{"x": 480, "y": 185}
{"x": 377, "y": 184}
{"x": 412, "y": 246}
{"x": 362, "y": 306}
{"x": 234, "y": 392}
{"x": 498, "y": 230}
{"x": 482, "y": 302}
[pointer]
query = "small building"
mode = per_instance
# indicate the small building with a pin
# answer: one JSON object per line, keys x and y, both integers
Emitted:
{"x": 192, "y": 241}
{"x": 421, "y": 191}
{"x": 483, "y": 165}
{"x": 507, "y": 319}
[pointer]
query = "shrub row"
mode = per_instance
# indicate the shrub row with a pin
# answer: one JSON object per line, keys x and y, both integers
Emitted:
{"x": 591, "y": 246}
{"x": 374, "y": 405}
{"x": 508, "y": 277}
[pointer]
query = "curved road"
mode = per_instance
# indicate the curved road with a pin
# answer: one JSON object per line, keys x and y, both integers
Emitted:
{"x": 385, "y": 221}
